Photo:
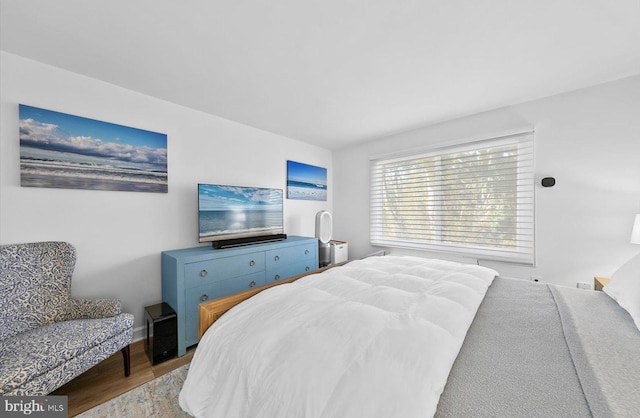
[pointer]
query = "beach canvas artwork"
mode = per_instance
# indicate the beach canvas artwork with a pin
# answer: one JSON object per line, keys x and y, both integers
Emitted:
{"x": 71, "y": 152}
{"x": 306, "y": 182}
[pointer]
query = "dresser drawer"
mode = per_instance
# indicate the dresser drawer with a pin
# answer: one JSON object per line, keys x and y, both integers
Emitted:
{"x": 196, "y": 295}
{"x": 289, "y": 255}
{"x": 203, "y": 272}
{"x": 238, "y": 284}
{"x": 289, "y": 270}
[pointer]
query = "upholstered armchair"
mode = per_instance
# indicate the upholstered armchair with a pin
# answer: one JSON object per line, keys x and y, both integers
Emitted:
{"x": 46, "y": 337}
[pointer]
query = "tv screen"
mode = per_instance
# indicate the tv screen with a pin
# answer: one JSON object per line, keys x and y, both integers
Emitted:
{"x": 232, "y": 215}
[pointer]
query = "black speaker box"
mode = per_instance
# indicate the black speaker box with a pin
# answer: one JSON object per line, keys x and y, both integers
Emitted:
{"x": 162, "y": 335}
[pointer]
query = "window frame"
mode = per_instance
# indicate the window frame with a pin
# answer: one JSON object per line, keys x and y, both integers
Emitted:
{"x": 524, "y": 249}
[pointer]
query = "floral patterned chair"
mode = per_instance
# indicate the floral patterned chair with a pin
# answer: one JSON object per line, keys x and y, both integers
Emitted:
{"x": 46, "y": 337}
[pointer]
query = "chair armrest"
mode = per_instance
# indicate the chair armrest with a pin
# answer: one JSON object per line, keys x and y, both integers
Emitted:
{"x": 93, "y": 308}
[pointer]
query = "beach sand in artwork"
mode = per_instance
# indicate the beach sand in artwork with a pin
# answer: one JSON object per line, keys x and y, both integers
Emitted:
{"x": 304, "y": 193}
{"x": 90, "y": 175}
{"x": 67, "y": 182}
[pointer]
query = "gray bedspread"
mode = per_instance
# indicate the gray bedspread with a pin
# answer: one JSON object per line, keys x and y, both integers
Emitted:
{"x": 536, "y": 350}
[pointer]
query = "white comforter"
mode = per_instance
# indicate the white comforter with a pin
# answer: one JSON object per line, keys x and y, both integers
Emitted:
{"x": 374, "y": 338}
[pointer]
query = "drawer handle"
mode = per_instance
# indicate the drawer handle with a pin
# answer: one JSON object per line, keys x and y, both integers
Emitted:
{"x": 252, "y": 284}
{"x": 204, "y": 297}
{"x": 306, "y": 252}
{"x": 276, "y": 258}
{"x": 203, "y": 273}
{"x": 306, "y": 268}
{"x": 252, "y": 263}
{"x": 277, "y": 277}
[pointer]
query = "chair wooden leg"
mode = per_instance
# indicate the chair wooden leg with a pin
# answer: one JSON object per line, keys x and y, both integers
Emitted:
{"x": 126, "y": 355}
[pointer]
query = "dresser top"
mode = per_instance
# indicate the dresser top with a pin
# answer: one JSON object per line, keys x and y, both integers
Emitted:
{"x": 208, "y": 251}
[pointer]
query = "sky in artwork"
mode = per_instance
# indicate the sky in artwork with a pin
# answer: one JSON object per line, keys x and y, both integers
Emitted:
{"x": 55, "y": 131}
{"x": 306, "y": 173}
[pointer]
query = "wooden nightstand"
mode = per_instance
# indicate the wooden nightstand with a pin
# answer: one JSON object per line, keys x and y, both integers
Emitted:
{"x": 600, "y": 282}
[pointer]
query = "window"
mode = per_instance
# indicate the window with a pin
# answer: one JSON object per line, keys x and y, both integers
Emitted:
{"x": 476, "y": 199}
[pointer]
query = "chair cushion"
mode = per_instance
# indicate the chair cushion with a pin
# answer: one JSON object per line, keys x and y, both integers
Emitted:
{"x": 35, "y": 284}
{"x": 35, "y": 352}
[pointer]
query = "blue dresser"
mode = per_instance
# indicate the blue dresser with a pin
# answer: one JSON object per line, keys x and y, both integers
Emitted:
{"x": 194, "y": 275}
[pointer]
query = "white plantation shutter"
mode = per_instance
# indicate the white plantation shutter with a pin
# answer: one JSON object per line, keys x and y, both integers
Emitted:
{"x": 476, "y": 199}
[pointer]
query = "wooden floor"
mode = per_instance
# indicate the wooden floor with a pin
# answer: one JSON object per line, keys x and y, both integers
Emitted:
{"x": 106, "y": 380}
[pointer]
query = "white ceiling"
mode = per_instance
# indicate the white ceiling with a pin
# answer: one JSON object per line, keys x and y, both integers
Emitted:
{"x": 333, "y": 72}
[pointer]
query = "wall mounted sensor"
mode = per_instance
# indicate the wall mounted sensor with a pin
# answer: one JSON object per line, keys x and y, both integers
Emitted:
{"x": 548, "y": 182}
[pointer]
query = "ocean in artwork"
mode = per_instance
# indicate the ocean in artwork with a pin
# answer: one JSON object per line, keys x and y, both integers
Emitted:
{"x": 65, "y": 151}
{"x": 306, "y": 182}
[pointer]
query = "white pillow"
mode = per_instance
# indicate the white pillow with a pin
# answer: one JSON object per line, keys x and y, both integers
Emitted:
{"x": 624, "y": 288}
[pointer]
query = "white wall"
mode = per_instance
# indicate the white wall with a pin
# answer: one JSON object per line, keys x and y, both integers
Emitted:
{"x": 119, "y": 235}
{"x": 589, "y": 140}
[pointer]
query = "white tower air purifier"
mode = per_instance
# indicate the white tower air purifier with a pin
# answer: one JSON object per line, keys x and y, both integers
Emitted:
{"x": 324, "y": 230}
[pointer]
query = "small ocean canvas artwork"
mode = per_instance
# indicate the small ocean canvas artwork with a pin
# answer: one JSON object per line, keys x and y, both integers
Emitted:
{"x": 71, "y": 152}
{"x": 306, "y": 182}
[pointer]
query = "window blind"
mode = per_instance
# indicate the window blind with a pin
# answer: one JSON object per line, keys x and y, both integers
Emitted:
{"x": 476, "y": 199}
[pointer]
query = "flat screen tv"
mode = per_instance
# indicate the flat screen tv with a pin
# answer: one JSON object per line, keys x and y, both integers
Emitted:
{"x": 230, "y": 216}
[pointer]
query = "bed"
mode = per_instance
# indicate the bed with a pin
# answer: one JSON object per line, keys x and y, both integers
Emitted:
{"x": 406, "y": 337}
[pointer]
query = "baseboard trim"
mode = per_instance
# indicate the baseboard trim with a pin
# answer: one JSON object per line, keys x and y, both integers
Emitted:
{"x": 139, "y": 333}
